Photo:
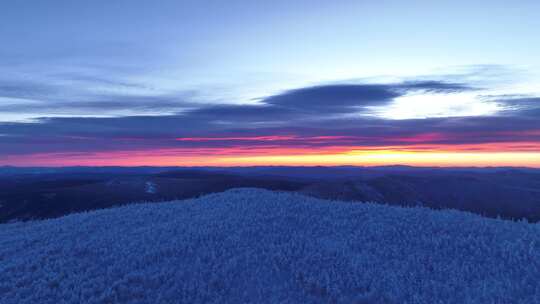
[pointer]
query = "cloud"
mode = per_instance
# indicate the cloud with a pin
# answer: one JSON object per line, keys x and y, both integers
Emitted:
{"x": 524, "y": 106}
{"x": 60, "y": 96}
{"x": 333, "y": 98}
{"x": 135, "y": 104}
{"x": 348, "y": 98}
{"x": 76, "y": 90}
{"x": 153, "y": 132}
{"x": 434, "y": 86}
{"x": 80, "y": 93}
{"x": 243, "y": 113}
{"x": 317, "y": 117}
{"x": 93, "y": 79}
{"x": 18, "y": 89}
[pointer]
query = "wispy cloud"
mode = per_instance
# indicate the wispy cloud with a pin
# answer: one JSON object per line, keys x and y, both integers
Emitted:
{"x": 319, "y": 118}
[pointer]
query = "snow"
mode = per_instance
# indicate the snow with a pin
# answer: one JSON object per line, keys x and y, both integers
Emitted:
{"x": 150, "y": 187}
{"x": 257, "y": 246}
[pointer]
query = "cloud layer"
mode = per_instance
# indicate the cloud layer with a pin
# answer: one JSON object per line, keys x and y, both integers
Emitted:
{"x": 117, "y": 119}
{"x": 323, "y": 118}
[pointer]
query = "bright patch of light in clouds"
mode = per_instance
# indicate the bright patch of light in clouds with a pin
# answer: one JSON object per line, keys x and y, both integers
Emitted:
{"x": 427, "y": 105}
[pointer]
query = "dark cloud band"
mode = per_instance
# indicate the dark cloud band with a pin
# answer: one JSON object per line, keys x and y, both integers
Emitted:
{"x": 312, "y": 117}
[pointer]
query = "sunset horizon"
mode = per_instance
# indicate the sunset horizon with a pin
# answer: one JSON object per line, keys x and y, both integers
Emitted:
{"x": 162, "y": 87}
{"x": 350, "y": 158}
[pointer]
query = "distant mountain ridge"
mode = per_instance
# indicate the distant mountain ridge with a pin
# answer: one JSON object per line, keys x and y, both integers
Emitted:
{"x": 511, "y": 193}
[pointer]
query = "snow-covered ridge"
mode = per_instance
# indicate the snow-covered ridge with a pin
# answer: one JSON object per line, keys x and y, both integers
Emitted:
{"x": 256, "y": 246}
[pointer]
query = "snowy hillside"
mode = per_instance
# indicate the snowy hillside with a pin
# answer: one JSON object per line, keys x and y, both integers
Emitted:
{"x": 256, "y": 246}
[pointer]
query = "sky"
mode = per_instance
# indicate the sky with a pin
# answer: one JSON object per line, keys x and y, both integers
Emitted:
{"x": 227, "y": 83}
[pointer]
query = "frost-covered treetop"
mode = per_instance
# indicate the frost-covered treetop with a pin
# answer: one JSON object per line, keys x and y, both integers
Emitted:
{"x": 256, "y": 246}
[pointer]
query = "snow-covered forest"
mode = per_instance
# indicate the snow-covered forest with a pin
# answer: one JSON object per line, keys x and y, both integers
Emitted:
{"x": 257, "y": 246}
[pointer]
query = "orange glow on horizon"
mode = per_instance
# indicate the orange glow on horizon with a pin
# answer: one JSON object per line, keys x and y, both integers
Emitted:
{"x": 526, "y": 154}
{"x": 380, "y": 158}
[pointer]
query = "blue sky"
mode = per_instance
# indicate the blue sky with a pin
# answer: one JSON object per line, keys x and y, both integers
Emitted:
{"x": 127, "y": 59}
{"x": 251, "y": 47}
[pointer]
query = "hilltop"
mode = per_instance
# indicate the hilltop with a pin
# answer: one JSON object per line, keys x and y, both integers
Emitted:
{"x": 258, "y": 246}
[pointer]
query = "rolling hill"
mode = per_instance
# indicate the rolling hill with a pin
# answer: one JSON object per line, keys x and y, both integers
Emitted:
{"x": 33, "y": 193}
{"x": 258, "y": 246}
